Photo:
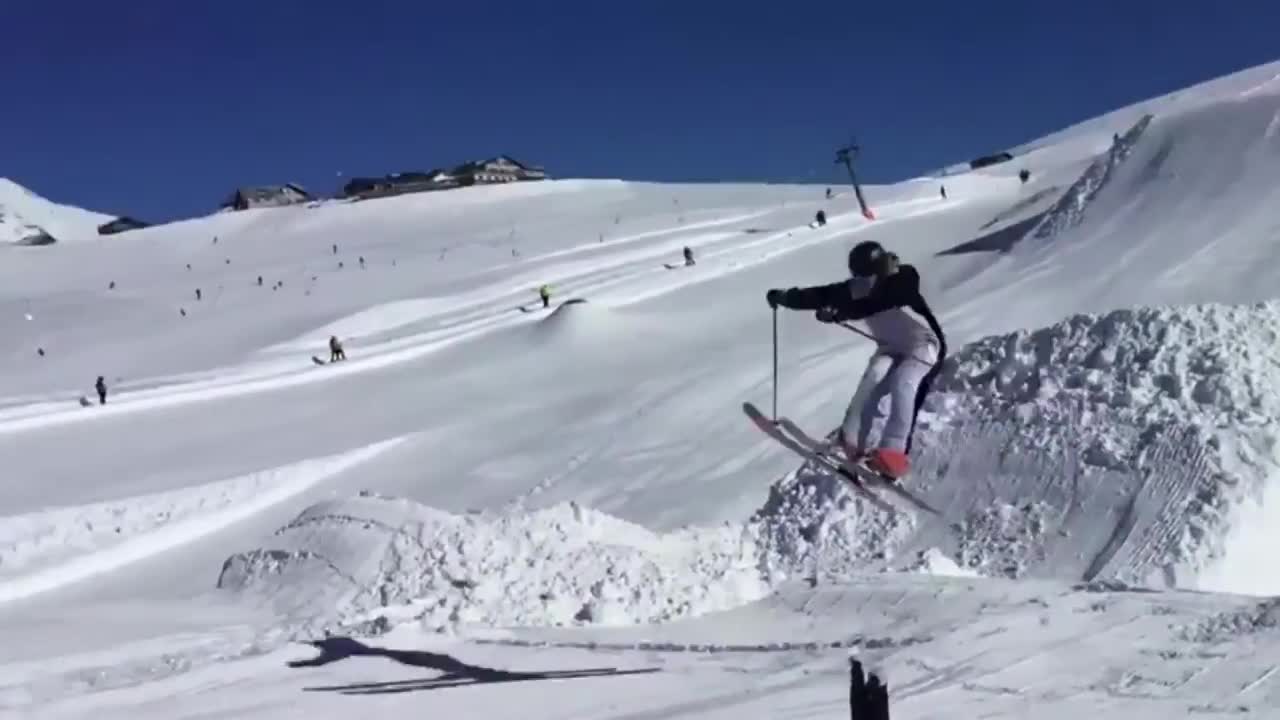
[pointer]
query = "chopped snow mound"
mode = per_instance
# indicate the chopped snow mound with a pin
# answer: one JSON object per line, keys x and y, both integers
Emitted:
{"x": 1069, "y": 210}
{"x": 346, "y": 560}
{"x": 1094, "y": 449}
{"x": 1201, "y": 365}
{"x": 1118, "y": 437}
{"x": 27, "y": 218}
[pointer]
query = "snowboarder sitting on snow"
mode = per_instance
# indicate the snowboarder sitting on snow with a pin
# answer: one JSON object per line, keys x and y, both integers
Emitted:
{"x": 335, "y": 349}
{"x": 907, "y": 358}
{"x": 688, "y": 255}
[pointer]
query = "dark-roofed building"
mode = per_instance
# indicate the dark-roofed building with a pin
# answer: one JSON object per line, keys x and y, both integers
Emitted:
{"x": 501, "y": 169}
{"x": 399, "y": 184}
{"x": 988, "y": 160}
{"x": 121, "y": 224}
{"x": 271, "y": 196}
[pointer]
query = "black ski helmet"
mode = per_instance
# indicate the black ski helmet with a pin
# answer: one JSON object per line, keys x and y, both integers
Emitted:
{"x": 865, "y": 258}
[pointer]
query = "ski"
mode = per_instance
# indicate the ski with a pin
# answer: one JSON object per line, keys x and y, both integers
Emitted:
{"x": 774, "y": 431}
{"x": 862, "y": 471}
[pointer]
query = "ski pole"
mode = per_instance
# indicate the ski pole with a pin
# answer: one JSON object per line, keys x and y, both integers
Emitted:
{"x": 775, "y": 364}
{"x": 850, "y": 326}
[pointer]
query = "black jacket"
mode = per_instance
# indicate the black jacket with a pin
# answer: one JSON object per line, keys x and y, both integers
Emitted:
{"x": 899, "y": 290}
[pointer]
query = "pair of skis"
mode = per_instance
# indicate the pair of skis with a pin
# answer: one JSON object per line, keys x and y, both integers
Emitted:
{"x": 858, "y": 476}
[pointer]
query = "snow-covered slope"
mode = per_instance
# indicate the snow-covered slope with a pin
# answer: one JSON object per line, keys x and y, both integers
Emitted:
{"x": 483, "y": 477}
{"x": 26, "y": 218}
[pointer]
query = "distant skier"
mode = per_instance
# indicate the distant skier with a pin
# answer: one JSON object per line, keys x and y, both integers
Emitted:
{"x": 101, "y": 387}
{"x": 828, "y": 193}
{"x": 544, "y": 292}
{"x": 943, "y": 189}
{"x": 336, "y": 352}
{"x": 199, "y": 294}
{"x": 907, "y": 358}
{"x": 688, "y": 256}
{"x": 820, "y": 218}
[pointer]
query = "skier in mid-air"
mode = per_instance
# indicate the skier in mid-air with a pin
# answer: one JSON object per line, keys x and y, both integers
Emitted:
{"x": 907, "y": 358}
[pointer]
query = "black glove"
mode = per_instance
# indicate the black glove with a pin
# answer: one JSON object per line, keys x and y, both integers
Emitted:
{"x": 827, "y": 315}
{"x": 774, "y": 297}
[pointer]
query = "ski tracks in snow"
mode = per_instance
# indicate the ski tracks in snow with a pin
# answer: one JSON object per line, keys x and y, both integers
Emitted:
{"x": 606, "y": 280}
{"x": 44, "y": 550}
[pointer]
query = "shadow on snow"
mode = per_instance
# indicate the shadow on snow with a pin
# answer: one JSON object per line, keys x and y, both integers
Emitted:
{"x": 455, "y": 672}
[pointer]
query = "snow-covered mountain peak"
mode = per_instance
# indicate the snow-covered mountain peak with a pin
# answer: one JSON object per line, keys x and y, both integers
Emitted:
{"x": 26, "y": 218}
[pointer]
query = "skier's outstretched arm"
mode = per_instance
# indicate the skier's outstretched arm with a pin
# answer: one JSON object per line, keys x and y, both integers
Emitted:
{"x": 810, "y": 298}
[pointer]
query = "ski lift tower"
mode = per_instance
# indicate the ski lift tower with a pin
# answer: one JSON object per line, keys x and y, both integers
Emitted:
{"x": 846, "y": 155}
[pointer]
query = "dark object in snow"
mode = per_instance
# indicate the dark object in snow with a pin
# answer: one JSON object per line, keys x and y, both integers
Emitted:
{"x": 336, "y": 352}
{"x": 121, "y": 224}
{"x": 101, "y": 387}
{"x": 40, "y": 237}
{"x": 868, "y": 696}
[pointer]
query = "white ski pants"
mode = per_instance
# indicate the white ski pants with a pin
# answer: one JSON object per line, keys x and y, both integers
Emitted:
{"x": 893, "y": 377}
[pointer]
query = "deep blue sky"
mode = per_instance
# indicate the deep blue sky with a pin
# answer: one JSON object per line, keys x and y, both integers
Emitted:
{"x": 159, "y": 108}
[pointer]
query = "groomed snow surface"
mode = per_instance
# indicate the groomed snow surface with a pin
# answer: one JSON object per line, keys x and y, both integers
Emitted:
{"x": 567, "y": 507}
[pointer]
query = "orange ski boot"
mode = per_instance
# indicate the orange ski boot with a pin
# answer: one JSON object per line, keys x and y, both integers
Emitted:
{"x": 893, "y": 464}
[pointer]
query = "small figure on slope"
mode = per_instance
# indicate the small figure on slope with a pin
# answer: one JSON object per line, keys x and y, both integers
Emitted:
{"x": 101, "y": 387}
{"x": 907, "y": 358}
{"x": 544, "y": 292}
{"x": 688, "y": 256}
{"x": 336, "y": 352}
